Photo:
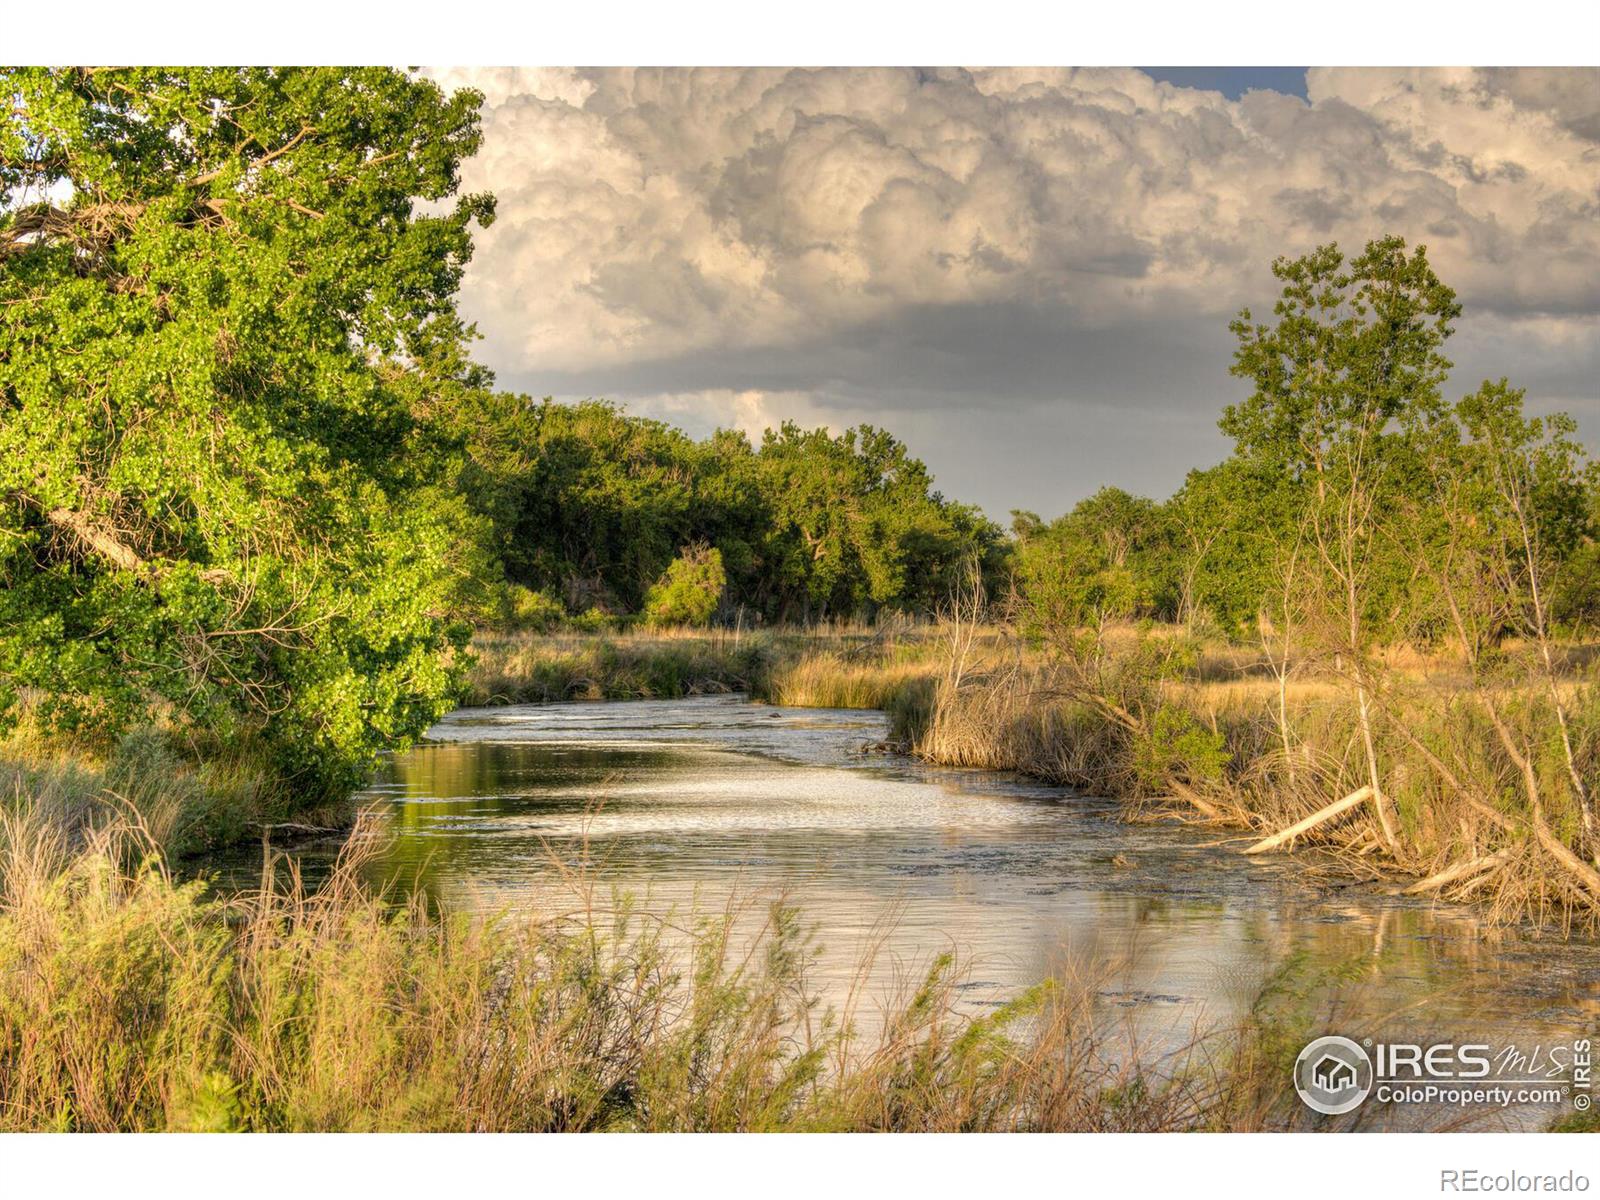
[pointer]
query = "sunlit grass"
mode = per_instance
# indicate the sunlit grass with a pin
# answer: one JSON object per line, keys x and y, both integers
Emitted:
{"x": 131, "y": 1002}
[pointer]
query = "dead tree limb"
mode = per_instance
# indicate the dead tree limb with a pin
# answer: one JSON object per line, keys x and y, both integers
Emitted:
{"x": 1326, "y": 813}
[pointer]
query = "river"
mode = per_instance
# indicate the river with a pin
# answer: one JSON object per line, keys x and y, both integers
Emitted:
{"x": 683, "y": 802}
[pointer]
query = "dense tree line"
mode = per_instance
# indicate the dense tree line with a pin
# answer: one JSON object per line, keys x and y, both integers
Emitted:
{"x": 591, "y": 505}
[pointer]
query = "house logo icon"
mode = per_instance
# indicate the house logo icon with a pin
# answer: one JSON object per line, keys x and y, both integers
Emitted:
{"x": 1333, "y": 1075}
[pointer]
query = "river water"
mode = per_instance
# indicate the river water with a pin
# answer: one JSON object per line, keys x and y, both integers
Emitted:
{"x": 683, "y": 802}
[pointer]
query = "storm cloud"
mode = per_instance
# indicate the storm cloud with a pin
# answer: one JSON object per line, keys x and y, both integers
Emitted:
{"x": 1026, "y": 274}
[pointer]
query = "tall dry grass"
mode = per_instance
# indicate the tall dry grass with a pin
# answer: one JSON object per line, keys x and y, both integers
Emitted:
{"x": 1219, "y": 732}
{"x": 837, "y": 665}
{"x": 187, "y": 802}
{"x": 1479, "y": 819}
{"x": 129, "y": 1001}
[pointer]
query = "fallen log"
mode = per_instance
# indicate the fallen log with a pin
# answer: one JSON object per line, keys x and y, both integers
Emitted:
{"x": 1460, "y": 871}
{"x": 1326, "y": 813}
{"x": 1585, "y": 874}
{"x": 1194, "y": 798}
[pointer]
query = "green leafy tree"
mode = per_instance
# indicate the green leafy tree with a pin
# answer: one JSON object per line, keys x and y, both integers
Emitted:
{"x": 1575, "y": 592}
{"x": 857, "y": 526}
{"x": 690, "y": 590}
{"x": 1351, "y": 364}
{"x": 1230, "y": 523}
{"x": 592, "y": 503}
{"x": 1506, "y": 505}
{"x": 1110, "y": 557}
{"x": 227, "y": 306}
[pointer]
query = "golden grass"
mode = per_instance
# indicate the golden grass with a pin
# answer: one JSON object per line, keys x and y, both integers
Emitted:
{"x": 824, "y": 681}
{"x": 188, "y": 804}
{"x": 524, "y": 667}
{"x": 1242, "y": 753}
{"x": 1224, "y": 740}
{"x": 131, "y": 1002}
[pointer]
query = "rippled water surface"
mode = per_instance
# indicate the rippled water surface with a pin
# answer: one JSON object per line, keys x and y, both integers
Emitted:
{"x": 681, "y": 802}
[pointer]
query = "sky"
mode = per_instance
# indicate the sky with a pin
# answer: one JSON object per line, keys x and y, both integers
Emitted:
{"x": 1025, "y": 274}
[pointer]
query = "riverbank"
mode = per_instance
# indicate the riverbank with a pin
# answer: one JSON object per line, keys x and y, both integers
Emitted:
{"x": 588, "y": 1000}
{"x": 1478, "y": 803}
{"x": 293, "y": 1008}
{"x": 187, "y": 804}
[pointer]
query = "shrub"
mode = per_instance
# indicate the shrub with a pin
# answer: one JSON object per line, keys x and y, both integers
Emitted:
{"x": 523, "y": 608}
{"x": 690, "y": 590}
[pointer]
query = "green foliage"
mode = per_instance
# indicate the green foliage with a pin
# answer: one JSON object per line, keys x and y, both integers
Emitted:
{"x": 1501, "y": 505}
{"x": 592, "y": 503}
{"x": 1355, "y": 346}
{"x": 856, "y": 525}
{"x": 1108, "y": 558}
{"x": 1344, "y": 431}
{"x": 690, "y": 590}
{"x": 1350, "y": 368}
{"x": 1177, "y": 747}
{"x": 1232, "y": 525}
{"x": 223, "y": 316}
{"x": 520, "y": 607}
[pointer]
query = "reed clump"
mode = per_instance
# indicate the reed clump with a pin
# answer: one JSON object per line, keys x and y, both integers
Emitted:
{"x": 186, "y": 802}
{"x": 1480, "y": 789}
{"x": 895, "y": 669}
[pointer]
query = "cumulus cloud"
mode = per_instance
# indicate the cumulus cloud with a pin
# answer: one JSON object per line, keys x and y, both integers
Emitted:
{"x": 883, "y": 242}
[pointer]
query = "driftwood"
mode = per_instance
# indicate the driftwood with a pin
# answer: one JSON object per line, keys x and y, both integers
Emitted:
{"x": 1460, "y": 871}
{"x": 1583, "y": 873}
{"x": 1326, "y": 813}
{"x": 1194, "y": 798}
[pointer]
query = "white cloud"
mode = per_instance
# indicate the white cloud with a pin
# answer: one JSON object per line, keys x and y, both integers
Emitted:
{"x": 731, "y": 233}
{"x": 752, "y": 411}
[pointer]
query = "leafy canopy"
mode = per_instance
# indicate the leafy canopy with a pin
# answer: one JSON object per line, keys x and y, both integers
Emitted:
{"x": 592, "y": 503}
{"x": 226, "y": 296}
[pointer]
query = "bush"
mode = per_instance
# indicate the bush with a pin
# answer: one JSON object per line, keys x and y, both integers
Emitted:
{"x": 691, "y": 589}
{"x": 521, "y": 607}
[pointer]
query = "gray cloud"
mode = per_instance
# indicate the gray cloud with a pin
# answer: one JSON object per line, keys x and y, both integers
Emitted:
{"x": 1025, "y": 273}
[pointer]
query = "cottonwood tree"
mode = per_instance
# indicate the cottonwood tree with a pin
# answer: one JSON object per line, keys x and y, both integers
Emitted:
{"x": 592, "y": 502}
{"x": 1352, "y": 358}
{"x": 226, "y": 296}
